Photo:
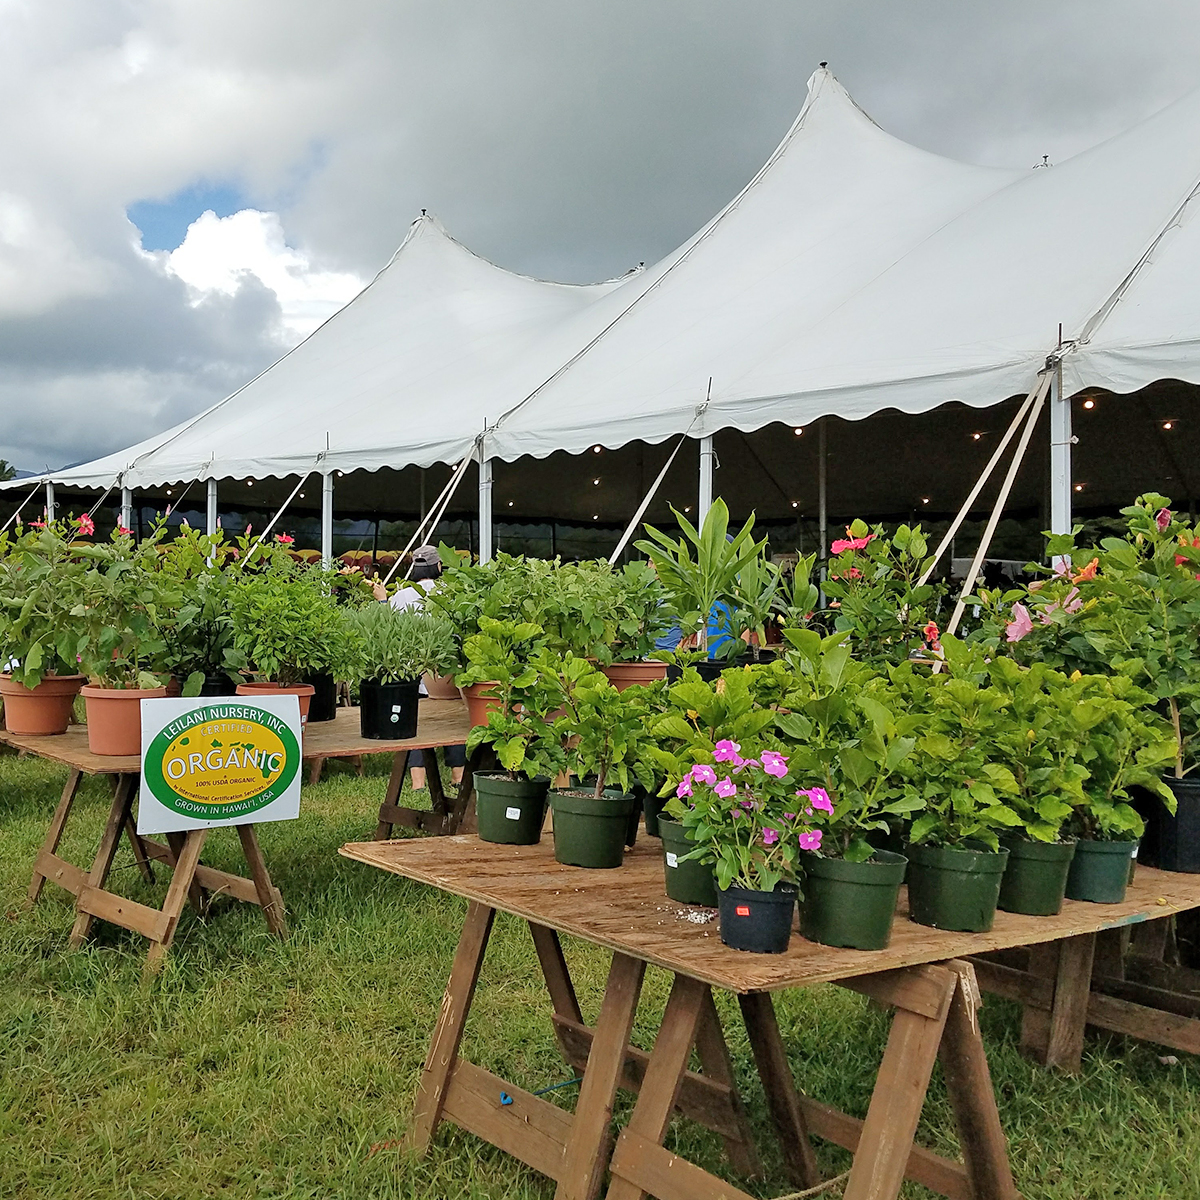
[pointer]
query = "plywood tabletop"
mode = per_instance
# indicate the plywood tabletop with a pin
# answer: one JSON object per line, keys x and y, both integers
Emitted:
{"x": 439, "y": 723}
{"x": 627, "y": 910}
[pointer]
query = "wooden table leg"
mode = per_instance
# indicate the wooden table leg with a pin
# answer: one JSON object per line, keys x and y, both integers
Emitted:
{"x": 395, "y": 786}
{"x": 269, "y": 897}
{"x": 554, "y": 971}
{"x": 462, "y": 815}
{"x": 316, "y": 766}
{"x": 585, "y": 1156}
{"x": 139, "y": 851}
{"x": 437, "y": 790}
{"x": 758, "y": 1011}
{"x": 47, "y": 860}
{"x": 1054, "y": 1037}
{"x": 186, "y": 860}
{"x": 447, "y": 1036}
{"x": 717, "y": 1064}
{"x": 197, "y": 896}
{"x": 969, "y": 1085}
{"x": 122, "y": 805}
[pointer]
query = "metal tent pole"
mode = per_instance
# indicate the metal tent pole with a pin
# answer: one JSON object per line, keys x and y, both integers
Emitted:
{"x": 1061, "y": 442}
{"x": 126, "y": 517}
{"x": 210, "y": 524}
{"x": 485, "y": 503}
{"x": 822, "y": 511}
{"x": 707, "y": 454}
{"x": 49, "y": 500}
{"x": 327, "y": 518}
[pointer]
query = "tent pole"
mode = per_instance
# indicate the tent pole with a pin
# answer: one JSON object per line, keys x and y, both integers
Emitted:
{"x": 49, "y": 500}
{"x": 210, "y": 523}
{"x": 126, "y": 517}
{"x": 822, "y": 509}
{"x": 485, "y": 504}
{"x": 327, "y": 518}
{"x": 707, "y": 455}
{"x": 1060, "y": 456}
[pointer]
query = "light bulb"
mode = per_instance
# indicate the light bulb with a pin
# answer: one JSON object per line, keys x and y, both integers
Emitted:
{"x": 798, "y": 431}
{"x": 1089, "y": 404}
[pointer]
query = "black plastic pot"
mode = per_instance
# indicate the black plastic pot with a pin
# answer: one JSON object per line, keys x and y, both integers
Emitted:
{"x": 1035, "y": 879}
{"x": 218, "y": 684}
{"x": 955, "y": 887}
{"x": 323, "y": 706}
{"x": 1100, "y": 871}
{"x": 747, "y": 657}
{"x": 1172, "y": 843}
{"x": 709, "y": 670}
{"x": 851, "y": 904}
{"x": 510, "y": 811}
{"x": 590, "y": 832}
{"x": 760, "y": 922}
{"x": 687, "y": 882}
{"x": 652, "y": 805}
{"x": 388, "y": 711}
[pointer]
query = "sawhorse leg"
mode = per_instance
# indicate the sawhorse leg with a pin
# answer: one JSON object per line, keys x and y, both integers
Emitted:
{"x": 118, "y": 815}
{"x": 48, "y": 865}
{"x": 391, "y": 797}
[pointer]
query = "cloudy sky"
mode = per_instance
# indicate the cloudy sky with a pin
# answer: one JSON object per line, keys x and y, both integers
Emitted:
{"x": 187, "y": 187}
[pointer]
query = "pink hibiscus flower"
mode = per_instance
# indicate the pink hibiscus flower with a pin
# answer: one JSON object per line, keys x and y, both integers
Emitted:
{"x": 86, "y": 525}
{"x": 1020, "y": 625}
{"x": 284, "y": 539}
{"x": 1162, "y": 519}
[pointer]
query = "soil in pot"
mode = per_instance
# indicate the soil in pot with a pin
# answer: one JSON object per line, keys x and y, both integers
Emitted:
{"x": 510, "y": 811}
{"x": 1172, "y": 842}
{"x": 1035, "y": 879}
{"x": 481, "y": 700}
{"x": 590, "y": 832}
{"x": 687, "y": 882}
{"x": 114, "y": 718}
{"x": 440, "y": 687}
{"x": 626, "y": 674}
{"x": 760, "y": 922}
{"x": 955, "y": 887}
{"x": 388, "y": 711}
{"x": 1100, "y": 871}
{"x": 324, "y": 702}
{"x": 41, "y": 711}
{"x": 851, "y": 904}
{"x": 302, "y": 691}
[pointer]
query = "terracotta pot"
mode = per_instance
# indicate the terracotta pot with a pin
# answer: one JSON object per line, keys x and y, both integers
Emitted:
{"x": 303, "y": 691}
{"x": 626, "y": 674}
{"x": 114, "y": 718}
{"x": 39, "y": 711}
{"x": 481, "y": 700}
{"x": 441, "y": 687}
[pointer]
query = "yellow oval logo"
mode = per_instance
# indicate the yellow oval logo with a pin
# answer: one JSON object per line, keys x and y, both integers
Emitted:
{"x": 223, "y": 762}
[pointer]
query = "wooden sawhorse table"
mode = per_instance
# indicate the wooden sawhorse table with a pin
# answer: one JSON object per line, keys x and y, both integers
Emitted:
{"x": 922, "y": 975}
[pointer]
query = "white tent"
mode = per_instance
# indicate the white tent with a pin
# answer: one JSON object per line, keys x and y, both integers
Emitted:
{"x": 854, "y": 273}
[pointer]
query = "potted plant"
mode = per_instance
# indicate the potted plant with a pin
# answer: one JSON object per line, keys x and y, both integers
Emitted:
{"x": 38, "y": 575}
{"x": 604, "y": 733}
{"x": 637, "y": 603}
{"x": 699, "y": 572}
{"x": 757, "y": 593}
{"x": 510, "y": 804}
{"x": 395, "y": 647}
{"x": 849, "y": 734}
{"x": 955, "y": 858}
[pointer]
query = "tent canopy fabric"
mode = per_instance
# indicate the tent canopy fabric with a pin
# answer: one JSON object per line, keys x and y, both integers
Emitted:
{"x": 854, "y": 273}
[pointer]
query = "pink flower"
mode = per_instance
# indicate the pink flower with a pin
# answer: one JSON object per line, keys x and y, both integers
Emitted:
{"x": 703, "y": 773}
{"x": 727, "y": 751}
{"x": 770, "y": 837}
{"x": 726, "y": 788}
{"x": 810, "y": 839}
{"x": 849, "y": 573}
{"x": 789, "y": 816}
{"x": 38, "y": 524}
{"x": 249, "y": 530}
{"x": 817, "y": 797}
{"x": 774, "y": 763}
{"x": 1162, "y": 519}
{"x": 850, "y": 543}
{"x": 86, "y": 525}
{"x": 284, "y": 539}
{"x": 684, "y": 788}
{"x": 1062, "y": 567}
{"x": 123, "y": 531}
{"x": 1020, "y": 625}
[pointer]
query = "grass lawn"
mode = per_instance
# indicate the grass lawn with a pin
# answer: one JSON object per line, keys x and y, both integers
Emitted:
{"x": 251, "y": 1068}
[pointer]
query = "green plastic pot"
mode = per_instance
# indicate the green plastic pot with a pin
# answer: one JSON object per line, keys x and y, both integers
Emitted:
{"x": 851, "y": 904}
{"x": 955, "y": 887}
{"x": 760, "y": 922}
{"x": 1035, "y": 879}
{"x": 510, "y": 811}
{"x": 590, "y": 832}
{"x": 652, "y": 805}
{"x": 687, "y": 882}
{"x": 1100, "y": 871}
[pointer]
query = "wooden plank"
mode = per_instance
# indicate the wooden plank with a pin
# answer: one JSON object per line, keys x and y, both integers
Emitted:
{"x": 122, "y": 803}
{"x": 887, "y": 1133}
{"x": 939, "y": 1174}
{"x": 50, "y": 844}
{"x": 1013, "y": 984}
{"x": 439, "y": 723}
{"x": 1072, "y": 986}
{"x": 180, "y": 887}
{"x": 972, "y": 1098}
{"x": 197, "y": 895}
{"x": 50, "y": 868}
{"x": 129, "y": 914}
{"x": 1152, "y": 939}
{"x": 1035, "y": 1020}
{"x": 528, "y": 1128}
{"x": 1149, "y": 1024}
{"x": 770, "y": 1055}
{"x": 717, "y": 1064}
{"x": 1182, "y": 1004}
{"x": 555, "y": 973}
{"x": 139, "y": 850}
{"x": 1162, "y": 975}
{"x": 660, "y": 1088}
{"x": 921, "y": 990}
{"x": 217, "y": 882}
{"x": 433, "y": 781}
{"x": 1111, "y": 947}
{"x": 411, "y": 818}
{"x": 447, "y": 1034}
{"x": 391, "y": 795}
{"x": 650, "y": 1168}
{"x": 266, "y": 893}
{"x": 583, "y": 1163}
{"x": 706, "y": 1101}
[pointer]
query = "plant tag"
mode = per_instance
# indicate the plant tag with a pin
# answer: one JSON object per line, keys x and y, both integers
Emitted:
{"x": 672, "y": 859}
{"x": 1134, "y": 854}
{"x": 513, "y": 814}
{"x": 742, "y": 910}
{"x": 395, "y": 708}
{"x": 395, "y": 718}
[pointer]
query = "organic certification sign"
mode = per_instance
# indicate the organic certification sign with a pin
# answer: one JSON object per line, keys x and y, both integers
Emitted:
{"x": 212, "y": 761}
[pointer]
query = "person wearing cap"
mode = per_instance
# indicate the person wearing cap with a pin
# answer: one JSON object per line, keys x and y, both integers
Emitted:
{"x": 426, "y": 570}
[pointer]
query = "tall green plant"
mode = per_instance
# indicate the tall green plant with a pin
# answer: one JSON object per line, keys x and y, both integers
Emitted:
{"x": 393, "y": 645}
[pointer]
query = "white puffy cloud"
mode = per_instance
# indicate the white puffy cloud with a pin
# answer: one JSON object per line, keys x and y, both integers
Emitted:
{"x": 219, "y": 252}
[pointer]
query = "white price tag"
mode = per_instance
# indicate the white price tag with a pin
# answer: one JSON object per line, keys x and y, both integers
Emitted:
{"x": 672, "y": 859}
{"x": 513, "y": 814}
